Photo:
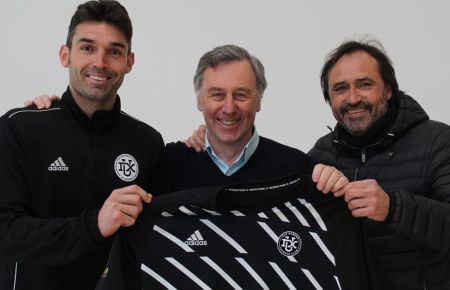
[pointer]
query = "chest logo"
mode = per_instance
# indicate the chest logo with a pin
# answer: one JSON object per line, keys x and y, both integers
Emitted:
{"x": 126, "y": 167}
{"x": 58, "y": 165}
{"x": 289, "y": 243}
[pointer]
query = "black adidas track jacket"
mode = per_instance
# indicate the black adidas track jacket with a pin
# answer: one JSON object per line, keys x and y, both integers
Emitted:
{"x": 57, "y": 167}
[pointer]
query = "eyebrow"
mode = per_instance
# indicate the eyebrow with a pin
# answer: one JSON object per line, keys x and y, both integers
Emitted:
{"x": 364, "y": 79}
{"x": 115, "y": 44}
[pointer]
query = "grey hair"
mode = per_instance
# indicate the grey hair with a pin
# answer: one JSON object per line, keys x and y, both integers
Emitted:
{"x": 229, "y": 53}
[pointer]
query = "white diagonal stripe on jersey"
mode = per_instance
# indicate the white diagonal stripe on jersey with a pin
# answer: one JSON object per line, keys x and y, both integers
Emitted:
{"x": 184, "y": 210}
{"x": 262, "y": 215}
{"x": 274, "y": 237}
{"x": 312, "y": 279}
{"x": 174, "y": 239}
{"x": 282, "y": 276}
{"x": 237, "y": 213}
{"x": 57, "y": 162}
{"x": 199, "y": 236}
{"x": 221, "y": 272}
{"x": 253, "y": 273}
{"x": 282, "y": 217}
{"x": 157, "y": 277}
{"x": 188, "y": 273}
{"x": 211, "y": 212}
{"x": 224, "y": 236}
{"x": 323, "y": 247}
{"x": 166, "y": 214}
{"x": 337, "y": 282}
{"x": 314, "y": 213}
{"x": 61, "y": 161}
{"x": 53, "y": 164}
{"x": 297, "y": 213}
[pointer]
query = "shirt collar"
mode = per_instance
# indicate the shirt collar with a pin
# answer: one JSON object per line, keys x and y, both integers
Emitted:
{"x": 240, "y": 161}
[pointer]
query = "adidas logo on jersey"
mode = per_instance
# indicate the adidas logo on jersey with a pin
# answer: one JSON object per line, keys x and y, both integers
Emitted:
{"x": 58, "y": 165}
{"x": 196, "y": 239}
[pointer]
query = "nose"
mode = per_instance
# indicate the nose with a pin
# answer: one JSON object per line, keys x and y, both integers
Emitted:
{"x": 353, "y": 96}
{"x": 228, "y": 104}
{"x": 100, "y": 59}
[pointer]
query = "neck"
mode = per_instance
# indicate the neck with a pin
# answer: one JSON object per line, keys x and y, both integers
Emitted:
{"x": 90, "y": 106}
{"x": 228, "y": 152}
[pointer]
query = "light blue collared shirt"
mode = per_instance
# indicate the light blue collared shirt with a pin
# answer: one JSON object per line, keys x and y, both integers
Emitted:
{"x": 240, "y": 161}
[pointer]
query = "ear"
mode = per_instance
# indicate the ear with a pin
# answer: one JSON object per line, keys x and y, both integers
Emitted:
{"x": 64, "y": 53}
{"x": 258, "y": 105}
{"x": 199, "y": 103}
{"x": 388, "y": 91}
{"x": 130, "y": 61}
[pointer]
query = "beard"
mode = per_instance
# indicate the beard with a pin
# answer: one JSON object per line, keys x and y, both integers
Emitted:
{"x": 358, "y": 126}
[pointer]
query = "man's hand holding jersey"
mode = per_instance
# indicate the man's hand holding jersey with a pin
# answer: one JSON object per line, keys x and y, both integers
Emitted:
{"x": 121, "y": 209}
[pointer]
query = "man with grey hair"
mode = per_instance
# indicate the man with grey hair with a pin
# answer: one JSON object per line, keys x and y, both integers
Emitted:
{"x": 230, "y": 83}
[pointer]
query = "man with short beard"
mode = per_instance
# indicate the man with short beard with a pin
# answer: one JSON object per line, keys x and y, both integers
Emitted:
{"x": 73, "y": 174}
{"x": 399, "y": 161}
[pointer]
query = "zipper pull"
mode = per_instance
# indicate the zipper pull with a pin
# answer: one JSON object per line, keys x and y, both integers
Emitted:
{"x": 363, "y": 155}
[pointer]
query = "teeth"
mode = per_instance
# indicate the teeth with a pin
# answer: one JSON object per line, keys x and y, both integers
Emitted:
{"x": 355, "y": 111}
{"x": 229, "y": 123}
{"x": 98, "y": 78}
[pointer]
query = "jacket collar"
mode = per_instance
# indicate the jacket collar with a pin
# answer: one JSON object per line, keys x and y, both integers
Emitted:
{"x": 100, "y": 119}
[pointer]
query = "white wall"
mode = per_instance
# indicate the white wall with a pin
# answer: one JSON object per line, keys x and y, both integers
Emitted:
{"x": 291, "y": 37}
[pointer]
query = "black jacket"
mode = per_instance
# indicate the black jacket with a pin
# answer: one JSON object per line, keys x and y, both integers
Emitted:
{"x": 57, "y": 167}
{"x": 411, "y": 162}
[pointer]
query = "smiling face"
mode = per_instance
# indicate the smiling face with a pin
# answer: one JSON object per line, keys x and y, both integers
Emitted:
{"x": 229, "y": 101}
{"x": 97, "y": 62}
{"x": 358, "y": 94}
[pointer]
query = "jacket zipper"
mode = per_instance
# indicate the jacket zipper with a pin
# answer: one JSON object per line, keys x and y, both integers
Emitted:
{"x": 363, "y": 155}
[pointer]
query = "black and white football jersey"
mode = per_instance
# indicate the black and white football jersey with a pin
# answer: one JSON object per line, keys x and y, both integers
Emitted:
{"x": 277, "y": 234}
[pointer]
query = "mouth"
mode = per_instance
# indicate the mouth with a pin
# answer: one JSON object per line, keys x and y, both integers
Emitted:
{"x": 100, "y": 78}
{"x": 354, "y": 112}
{"x": 228, "y": 123}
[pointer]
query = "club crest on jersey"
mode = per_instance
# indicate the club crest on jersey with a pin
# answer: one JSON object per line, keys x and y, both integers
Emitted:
{"x": 289, "y": 243}
{"x": 126, "y": 167}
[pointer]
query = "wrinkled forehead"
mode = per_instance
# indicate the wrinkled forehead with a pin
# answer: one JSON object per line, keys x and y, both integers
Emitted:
{"x": 353, "y": 66}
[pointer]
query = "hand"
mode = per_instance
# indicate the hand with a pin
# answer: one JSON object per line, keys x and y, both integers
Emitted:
{"x": 121, "y": 209}
{"x": 41, "y": 102}
{"x": 197, "y": 140}
{"x": 329, "y": 179}
{"x": 366, "y": 198}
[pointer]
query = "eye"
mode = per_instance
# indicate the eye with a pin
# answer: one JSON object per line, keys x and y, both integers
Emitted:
{"x": 116, "y": 52}
{"x": 217, "y": 95}
{"x": 365, "y": 85}
{"x": 241, "y": 96}
{"x": 339, "y": 89}
{"x": 87, "y": 48}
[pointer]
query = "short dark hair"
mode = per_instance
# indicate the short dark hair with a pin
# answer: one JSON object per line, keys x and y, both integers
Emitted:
{"x": 372, "y": 47}
{"x": 108, "y": 11}
{"x": 229, "y": 53}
